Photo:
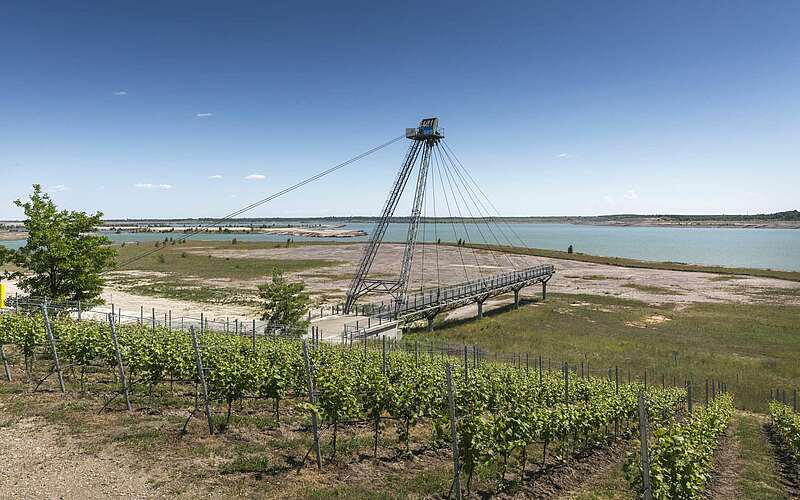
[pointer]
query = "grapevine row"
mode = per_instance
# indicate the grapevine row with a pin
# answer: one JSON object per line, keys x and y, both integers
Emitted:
{"x": 681, "y": 452}
{"x": 786, "y": 424}
{"x": 503, "y": 412}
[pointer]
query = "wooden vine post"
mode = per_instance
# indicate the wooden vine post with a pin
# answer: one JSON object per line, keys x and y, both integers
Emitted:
{"x": 202, "y": 377}
{"x": 56, "y": 363}
{"x": 120, "y": 367}
{"x": 453, "y": 432}
{"x": 312, "y": 400}
{"x": 647, "y": 492}
{"x": 5, "y": 363}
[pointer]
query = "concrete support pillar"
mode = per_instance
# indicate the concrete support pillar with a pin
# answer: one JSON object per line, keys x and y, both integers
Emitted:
{"x": 480, "y": 309}
{"x": 516, "y": 299}
{"x": 544, "y": 290}
{"x": 430, "y": 323}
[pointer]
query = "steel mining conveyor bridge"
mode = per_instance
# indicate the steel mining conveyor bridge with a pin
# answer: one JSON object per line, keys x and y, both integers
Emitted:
{"x": 427, "y": 304}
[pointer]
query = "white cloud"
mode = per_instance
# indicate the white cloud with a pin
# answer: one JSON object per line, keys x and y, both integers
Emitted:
{"x": 147, "y": 185}
{"x": 215, "y": 176}
{"x": 255, "y": 177}
{"x": 203, "y": 115}
{"x": 631, "y": 195}
{"x": 57, "y": 188}
{"x": 564, "y": 155}
{"x": 120, "y": 92}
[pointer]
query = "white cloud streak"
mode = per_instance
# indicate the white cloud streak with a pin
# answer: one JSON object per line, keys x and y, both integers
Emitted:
{"x": 215, "y": 176}
{"x": 255, "y": 177}
{"x": 147, "y": 185}
{"x": 120, "y": 92}
{"x": 203, "y": 115}
{"x": 57, "y": 188}
{"x": 564, "y": 155}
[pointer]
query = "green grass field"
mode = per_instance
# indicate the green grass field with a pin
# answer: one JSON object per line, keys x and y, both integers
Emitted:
{"x": 750, "y": 347}
{"x": 182, "y": 271}
{"x": 194, "y": 259}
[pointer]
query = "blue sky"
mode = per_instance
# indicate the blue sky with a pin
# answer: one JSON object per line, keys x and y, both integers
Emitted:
{"x": 557, "y": 108}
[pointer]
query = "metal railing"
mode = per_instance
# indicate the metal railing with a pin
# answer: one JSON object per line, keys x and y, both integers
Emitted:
{"x": 379, "y": 313}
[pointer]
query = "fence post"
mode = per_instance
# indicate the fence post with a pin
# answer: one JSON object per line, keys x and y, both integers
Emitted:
{"x": 689, "y": 396}
{"x": 53, "y": 346}
{"x": 312, "y": 400}
{"x": 201, "y": 374}
{"x": 466, "y": 366}
{"x": 383, "y": 339}
{"x": 5, "y": 363}
{"x": 540, "y": 369}
{"x": 79, "y": 311}
{"x": 453, "y": 433}
{"x": 616, "y": 391}
{"x": 566, "y": 382}
{"x": 794, "y": 396}
{"x": 120, "y": 367}
{"x": 647, "y": 492}
{"x": 254, "y": 336}
{"x": 153, "y": 310}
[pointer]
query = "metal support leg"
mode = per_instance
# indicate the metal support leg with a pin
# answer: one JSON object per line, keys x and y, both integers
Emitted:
{"x": 430, "y": 323}
{"x": 516, "y": 299}
{"x": 544, "y": 290}
{"x": 480, "y": 309}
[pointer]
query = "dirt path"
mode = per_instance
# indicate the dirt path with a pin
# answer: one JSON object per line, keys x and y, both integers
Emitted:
{"x": 39, "y": 462}
{"x": 727, "y": 465}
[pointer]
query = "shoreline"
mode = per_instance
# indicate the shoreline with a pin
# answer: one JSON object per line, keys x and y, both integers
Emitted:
{"x": 326, "y": 232}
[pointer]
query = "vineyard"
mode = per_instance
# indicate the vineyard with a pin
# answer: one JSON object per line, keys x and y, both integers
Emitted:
{"x": 501, "y": 422}
{"x": 786, "y": 424}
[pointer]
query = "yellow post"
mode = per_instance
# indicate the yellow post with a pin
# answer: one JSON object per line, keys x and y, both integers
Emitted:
{"x": 2, "y": 295}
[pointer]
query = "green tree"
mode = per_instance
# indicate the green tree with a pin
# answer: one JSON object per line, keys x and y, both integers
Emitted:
{"x": 63, "y": 258}
{"x": 284, "y": 303}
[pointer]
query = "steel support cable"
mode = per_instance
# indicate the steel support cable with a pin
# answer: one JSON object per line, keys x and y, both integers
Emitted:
{"x": 461, "y": 218}
{"x": 450, "y": 218}
{"x": 489, "y": 201}
{"x": 480, "y": 214}
{"x": 435, "y": 228}
{"x": 480, "y": 208}
{"x": 264, "y": 200}
{"x": 424, "y": 228}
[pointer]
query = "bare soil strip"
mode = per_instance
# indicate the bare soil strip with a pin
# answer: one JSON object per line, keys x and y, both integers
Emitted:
{"x": 727, "y": 465}
{"x": 38, "y": 461}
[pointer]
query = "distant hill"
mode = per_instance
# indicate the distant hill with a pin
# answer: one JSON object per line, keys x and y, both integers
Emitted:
{"x": 788, "y": 215}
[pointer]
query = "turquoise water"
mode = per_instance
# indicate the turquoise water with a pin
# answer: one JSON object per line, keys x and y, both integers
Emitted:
{"x": 761, "y": 248}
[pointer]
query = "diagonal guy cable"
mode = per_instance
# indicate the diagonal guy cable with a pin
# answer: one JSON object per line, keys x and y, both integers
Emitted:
{"x": 261, "y": 201}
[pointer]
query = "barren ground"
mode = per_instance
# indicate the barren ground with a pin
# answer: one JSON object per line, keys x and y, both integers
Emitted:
{"x": 455, "y": 265}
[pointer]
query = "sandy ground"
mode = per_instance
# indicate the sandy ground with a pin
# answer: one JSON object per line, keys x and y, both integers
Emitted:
{"x": 38, "y": 461}
{"x": 457, "y": 265}
{"x": 9, "y": 236}
{"x": 329, "y": 285}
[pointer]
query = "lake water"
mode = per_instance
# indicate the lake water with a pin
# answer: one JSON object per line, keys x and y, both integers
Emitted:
{"x": 761, "y": 248}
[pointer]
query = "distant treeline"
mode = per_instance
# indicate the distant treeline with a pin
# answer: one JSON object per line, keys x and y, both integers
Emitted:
{"x": 789, "y": 215}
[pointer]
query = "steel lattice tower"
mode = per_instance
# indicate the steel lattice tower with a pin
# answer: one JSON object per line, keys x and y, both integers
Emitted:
{"x": 423, "y": 138}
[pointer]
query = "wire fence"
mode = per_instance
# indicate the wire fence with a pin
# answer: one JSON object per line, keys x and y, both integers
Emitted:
{"x": 150, "y": 316}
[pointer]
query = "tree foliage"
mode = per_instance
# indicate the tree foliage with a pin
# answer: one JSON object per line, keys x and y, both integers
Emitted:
{"x": 284, "y": 303}
{"x": 63, "y": 259}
